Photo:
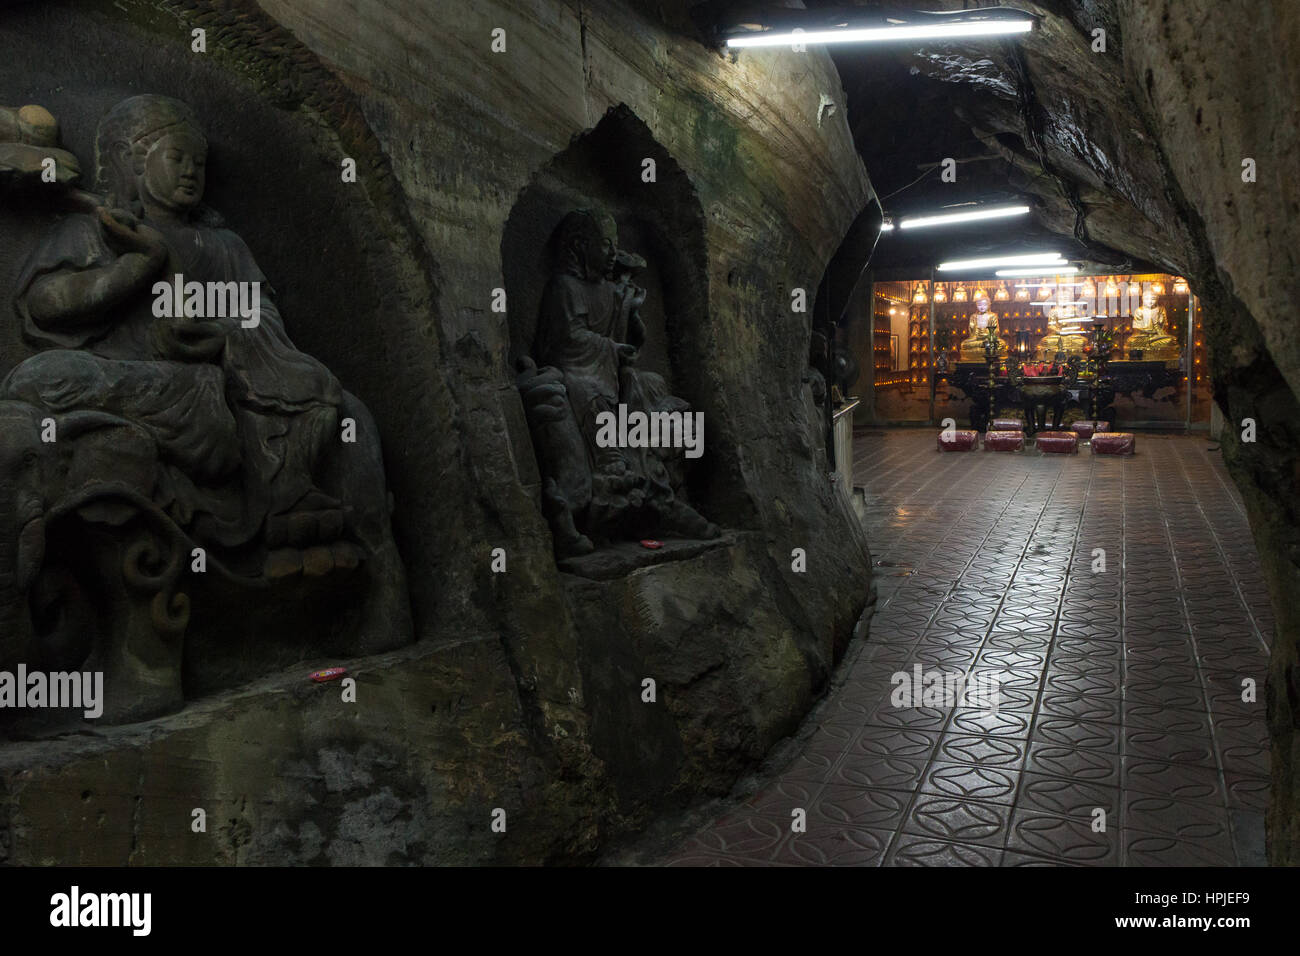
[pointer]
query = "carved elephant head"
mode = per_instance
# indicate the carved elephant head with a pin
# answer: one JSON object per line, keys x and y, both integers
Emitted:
{"x": 48, "y": 466}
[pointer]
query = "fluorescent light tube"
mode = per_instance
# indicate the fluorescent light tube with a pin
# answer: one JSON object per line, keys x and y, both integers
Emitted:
{"x": 944, "y": 219}
{"x": 1036, "y": 259}
{"x": 1061, "y": 271}
{"x": 936, "y": 31}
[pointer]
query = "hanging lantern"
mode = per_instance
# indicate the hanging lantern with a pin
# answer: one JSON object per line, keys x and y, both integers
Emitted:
{"x": 939, "y": 294}
{"x": 1045, "y": 290}
{"x": 1002, "y": 295}
{"x": 1088, "y": 289}
{"x": 1180, "y": 286}
{"x": 1158, "y": 288}
{"x": 1022, "y": 293}
{"x": 960, "y": 294}
{"x": 920, "y": 297}
{"x": 1135, "y": 287}
{"x": 1111, "y": 289}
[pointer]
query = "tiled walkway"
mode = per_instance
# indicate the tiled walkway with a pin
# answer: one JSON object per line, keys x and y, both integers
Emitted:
{"x": 1120, "y": 690}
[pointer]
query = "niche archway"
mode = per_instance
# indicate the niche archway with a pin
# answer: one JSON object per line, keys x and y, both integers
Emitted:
{"x": 277, "y": 123}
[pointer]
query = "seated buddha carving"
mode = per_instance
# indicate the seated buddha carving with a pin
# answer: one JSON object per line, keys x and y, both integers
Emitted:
{"x": 982, "y": 321}
{"x": 1057, "y": 342}
{"x": 1151, "y": 340}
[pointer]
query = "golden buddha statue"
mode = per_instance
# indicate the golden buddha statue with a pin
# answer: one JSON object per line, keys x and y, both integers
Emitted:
{"x": 1150, "y": 336}
{"x": 1056, "y": 341}
{"x": 981, "y": 322}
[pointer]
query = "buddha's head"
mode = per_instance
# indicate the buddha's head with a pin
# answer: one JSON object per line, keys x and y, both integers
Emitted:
{"x": 982, "y": 303}
{"x": 150, "y": 150}
{"x": 1149, "y": 298}
{"x": 587, "y": 243}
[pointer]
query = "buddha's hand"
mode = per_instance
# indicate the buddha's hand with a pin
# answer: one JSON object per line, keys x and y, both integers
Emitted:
{"x": 626, "y": 354}
{"x": 189, "y": 340}
{"x": 124, "y": 234}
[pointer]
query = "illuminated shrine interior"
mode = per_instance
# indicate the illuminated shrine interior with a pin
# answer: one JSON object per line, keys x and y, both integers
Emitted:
{"x": 919, "y": 328}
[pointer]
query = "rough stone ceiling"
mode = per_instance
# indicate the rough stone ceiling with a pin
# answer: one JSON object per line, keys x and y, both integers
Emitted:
{"x": 1041, "y": 118}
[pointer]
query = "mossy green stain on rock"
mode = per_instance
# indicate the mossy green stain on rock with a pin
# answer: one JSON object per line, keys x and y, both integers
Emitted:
{"x": 712, "y": 137}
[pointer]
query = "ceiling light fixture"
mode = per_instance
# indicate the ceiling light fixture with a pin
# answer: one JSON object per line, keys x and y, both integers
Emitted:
{"x": 1012, "y": 273}
{"x": 899, "y": 31}
{"x": 974, "y": 215}
{"x": 1033, "y": 259}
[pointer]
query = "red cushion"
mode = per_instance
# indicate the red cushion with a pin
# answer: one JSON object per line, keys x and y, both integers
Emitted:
{"x": 1091, "y": 427}
{"x": 1004, "y": 441}
{"x": 958, "y": 440}
{"x": 1058, "y": 443}
{"x": 1007, "y": 425}
{"x": 1113, "y": 443}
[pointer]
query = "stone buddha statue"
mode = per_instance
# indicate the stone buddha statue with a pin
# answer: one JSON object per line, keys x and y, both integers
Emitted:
{"x": 195, "y": 431}
{"x": 1056, "y": 342}
{"x": 243, "y": 421}
{"x": 982, "y": 321}
{"x": 1151, "y": 338}
{"x": 583, "y": 367}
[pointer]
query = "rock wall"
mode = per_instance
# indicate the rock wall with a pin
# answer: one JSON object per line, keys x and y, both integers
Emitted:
{"x": 1219, "y": 87}
{"x": 524, "y": 690}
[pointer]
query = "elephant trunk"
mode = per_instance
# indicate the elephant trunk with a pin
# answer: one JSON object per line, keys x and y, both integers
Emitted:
{"x": 20, "y": 560}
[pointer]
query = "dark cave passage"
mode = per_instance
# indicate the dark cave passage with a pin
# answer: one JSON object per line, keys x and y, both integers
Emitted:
{"x": 1134, "y": 146}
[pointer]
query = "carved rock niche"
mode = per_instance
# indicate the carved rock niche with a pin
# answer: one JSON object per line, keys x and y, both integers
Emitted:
{"x": 619, "y": 173}
{"x": 104, "y": 567}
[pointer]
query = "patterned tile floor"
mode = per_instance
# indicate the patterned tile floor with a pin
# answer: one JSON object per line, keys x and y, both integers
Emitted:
{"x": 1120, "y": 690}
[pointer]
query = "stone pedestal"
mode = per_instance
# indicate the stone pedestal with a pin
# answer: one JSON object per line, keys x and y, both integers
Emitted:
{"x": 287, "y": 772}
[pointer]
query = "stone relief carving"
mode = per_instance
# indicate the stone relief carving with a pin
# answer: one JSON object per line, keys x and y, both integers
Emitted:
{"x": 167, "y": 412}
{"x": 581, "y": 375}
